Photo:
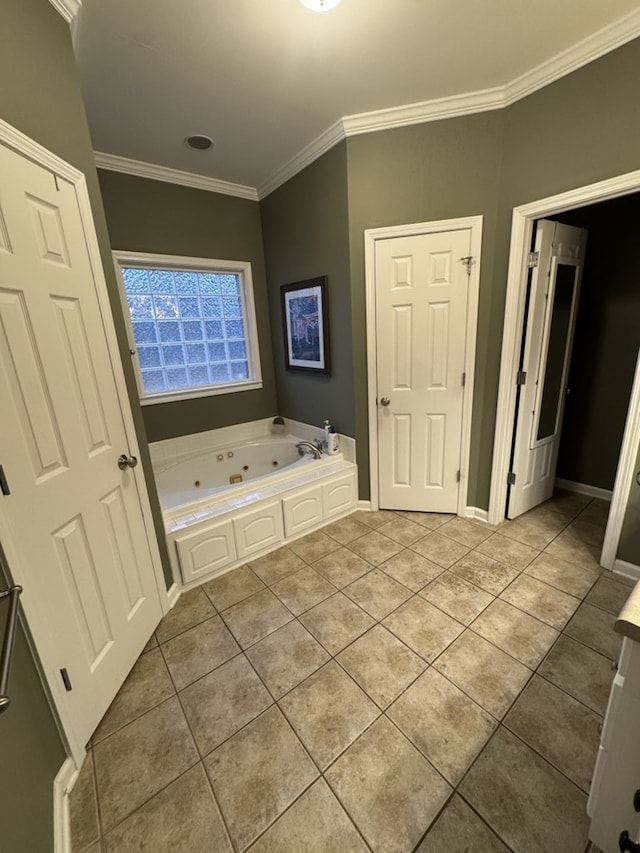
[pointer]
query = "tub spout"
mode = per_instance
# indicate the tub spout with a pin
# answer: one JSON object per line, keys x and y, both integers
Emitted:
{"x": 312, "y": 448}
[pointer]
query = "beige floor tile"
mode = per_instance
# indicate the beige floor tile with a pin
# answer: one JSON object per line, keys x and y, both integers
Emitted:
{"x": 381, "y": 665}
{"x": 374, "y": 519}
{"x": 568, "y": 547}
{"x": 460, "y": 828}
{"x": 595, "y": 628}
{"x": 568, "y": 504}
{"x": 151, "y": 644}
{"x": 457, "y": 597}
{"x": 256, "y": 617}
{"x": 411, "y": 569}
{"x": 257, "y": 774}
{"x": 545, "y": 602}
{"x": 315, "y": 823}
{"x": 590, "y": 534}
{"x": 184, "y": 816}
{"x": 336, "y": 622}
{"x": 515, "y": 632}
{"x": 375, "y": 547}
{"x": 508, "y": 551}
{"x": 346, "y": 529}
{"x": 402, "y": 530}
{"x": 597, "y": 512}
{"x": 191, "y": 608}
{"x": 579, "y": 671}
{"x": 561, "y": 729}
{"x": 286, "y": 657}
{"x": 542, "y": 812}
{"x": 388, "y": 788}
{"x": 222, "y": 702}
{"x": 618, "y": 578}
{"x": 445, "y": 724}
{"x": 423, "y": 627}
{"x": 342, "y": 567}
{"x": 197, "y": 651}
{"x": 377, "y": 593}
{"x": 328, "y": 711}
{"x": 535, "y": 528}
{"x": 277, "y": 565}
{"x": 465, "y": 531}
{"x": 83, "y": 807}
{"x": 608, "y": 595}
{"x": 313, "y": 546}
{"x": 430, "y": 520}
{"x": 303, "y": 590}
{"x": 571, "y": 578}
{"x": 147, "y": 685}
{"x": 480, "y": 570}
{"x": 488, "y": 675}
{"x": 440, "y": 549}
{"x": 232, "y": 587}
{"x": 139, "y": 760}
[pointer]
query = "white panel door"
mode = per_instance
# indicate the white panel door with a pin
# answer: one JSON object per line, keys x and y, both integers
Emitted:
{"x": 554, "y": 291}
{"x": 421, "y": 315}
{"x": 74, "y": 518}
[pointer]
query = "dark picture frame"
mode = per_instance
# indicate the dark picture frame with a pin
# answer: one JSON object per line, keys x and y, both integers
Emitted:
{"x": 305, "y": 324}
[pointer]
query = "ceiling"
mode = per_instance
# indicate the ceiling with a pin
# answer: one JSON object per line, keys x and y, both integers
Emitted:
{"x": 270, "y": 80}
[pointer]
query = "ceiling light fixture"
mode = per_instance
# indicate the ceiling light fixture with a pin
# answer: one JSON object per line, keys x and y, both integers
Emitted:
{"x": 199, "y": 142}
{"x": 320, "y": 5}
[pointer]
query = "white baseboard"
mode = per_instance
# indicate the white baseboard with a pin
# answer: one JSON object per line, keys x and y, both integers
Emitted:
{"x": 476, "y": 513}
{"x": 364, "y": 505}
{"x": 173, "y": 594}
{"x": 62, "y": 786}
{"x": 584, "y": 489}
{"x": 627, "y": 570}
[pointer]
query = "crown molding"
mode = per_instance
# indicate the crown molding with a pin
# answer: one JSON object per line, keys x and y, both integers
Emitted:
{"x": 172, "y": 176}
{"x": 67, "y": 8}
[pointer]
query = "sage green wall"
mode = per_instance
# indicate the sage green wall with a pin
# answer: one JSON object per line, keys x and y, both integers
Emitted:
{"x": 606, "y": 343}
{"x": 306, "y": 234}
{"x": 153, "y": 216}
{"x": 439, "y": 170}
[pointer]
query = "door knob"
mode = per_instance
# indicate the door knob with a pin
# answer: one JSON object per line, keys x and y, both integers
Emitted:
{"x": 385, "y": 401}
{"x": 125, "y": 462}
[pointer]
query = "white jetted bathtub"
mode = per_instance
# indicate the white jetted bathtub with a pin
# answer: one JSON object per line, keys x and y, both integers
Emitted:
{"x": 227, "y": 504}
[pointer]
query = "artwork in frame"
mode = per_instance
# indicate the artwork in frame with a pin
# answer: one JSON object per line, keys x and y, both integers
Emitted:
{"x": 305, "y": 321}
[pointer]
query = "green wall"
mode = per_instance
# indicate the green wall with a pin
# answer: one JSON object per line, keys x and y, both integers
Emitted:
{"x": 606, "y": 343}
{"x": 153, "y": 216}
{"x": 306, "y": 234}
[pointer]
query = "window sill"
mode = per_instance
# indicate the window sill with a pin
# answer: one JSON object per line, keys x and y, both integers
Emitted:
{"x": 211, "y": 391}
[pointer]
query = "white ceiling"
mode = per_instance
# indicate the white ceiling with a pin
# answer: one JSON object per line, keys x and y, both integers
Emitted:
{"x": 266, "y": 78}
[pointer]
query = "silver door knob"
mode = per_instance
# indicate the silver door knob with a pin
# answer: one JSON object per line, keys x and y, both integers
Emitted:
{"x": 125, "y": 462}
{"x": 384, "y": 401}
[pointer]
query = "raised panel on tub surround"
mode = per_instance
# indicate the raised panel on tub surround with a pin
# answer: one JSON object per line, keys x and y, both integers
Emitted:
{"x": 259, "y": 530}
{"x": 302, "y": 511}
{"x": 205, "y": 551}
{"x": 339, "y": 495}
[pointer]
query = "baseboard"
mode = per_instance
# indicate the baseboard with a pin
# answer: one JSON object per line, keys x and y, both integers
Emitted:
{"x": 627, "y": 570}
{"x": 173, "y": 594}
{"x": 62, "y": 786}
{"x": 476, "y": 513}
{"x": 584, "y": 489}
{"x": 364, "y": 505}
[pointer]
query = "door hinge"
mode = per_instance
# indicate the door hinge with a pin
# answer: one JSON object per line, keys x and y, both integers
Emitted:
{"x": 464, "y": 379}
{"x": 4, "y": 486}
{"x": 534, "y": 260}
{"x": 66, "y": 680}
{"x": 458, "y": 474}
{"x": 55, "y": 181}
{"x": 521, "y": 377}
{"x": 511, "y": 479}
{"x": 469, "y": 261}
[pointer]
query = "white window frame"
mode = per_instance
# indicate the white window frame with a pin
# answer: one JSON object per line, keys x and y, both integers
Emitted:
{"x": 177, "y": 262}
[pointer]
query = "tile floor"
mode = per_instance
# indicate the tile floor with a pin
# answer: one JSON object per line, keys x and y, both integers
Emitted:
{"x": 394, "y": 682}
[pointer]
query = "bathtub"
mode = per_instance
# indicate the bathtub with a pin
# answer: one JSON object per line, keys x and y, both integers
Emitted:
{"x": 213, "y": 525}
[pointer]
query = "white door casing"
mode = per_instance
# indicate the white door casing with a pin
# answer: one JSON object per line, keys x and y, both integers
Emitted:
{"x": 73, "y": 527}
{"x": 421, "y": 331}
{"x": 550, "y": 324}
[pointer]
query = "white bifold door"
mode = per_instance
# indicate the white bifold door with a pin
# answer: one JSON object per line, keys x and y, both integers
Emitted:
{"x": 73, "y": 518}
{"x": 422, "y": 299}
{"x": 550, "y": 317}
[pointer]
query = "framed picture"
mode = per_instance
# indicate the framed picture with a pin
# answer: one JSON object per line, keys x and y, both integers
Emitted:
{"x": 305, "y": 322}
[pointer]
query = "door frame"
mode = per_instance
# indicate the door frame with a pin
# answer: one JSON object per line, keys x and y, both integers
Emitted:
{"x": 521, "y": 235}
{"x": 371, "y": 237}
{"x": 34, "y": 610}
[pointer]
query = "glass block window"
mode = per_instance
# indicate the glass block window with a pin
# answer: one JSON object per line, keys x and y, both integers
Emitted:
{"x": 193, "y": 326}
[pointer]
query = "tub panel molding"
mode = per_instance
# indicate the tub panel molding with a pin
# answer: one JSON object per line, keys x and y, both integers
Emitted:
{"x": 302, "y": 511}
{"x": 339, "y": 496}
{"x": 259, "y": 530}
{"x": 206, "y": 550}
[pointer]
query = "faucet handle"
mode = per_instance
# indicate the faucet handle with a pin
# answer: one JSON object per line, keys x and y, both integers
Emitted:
{"x": 320, "y": 444}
